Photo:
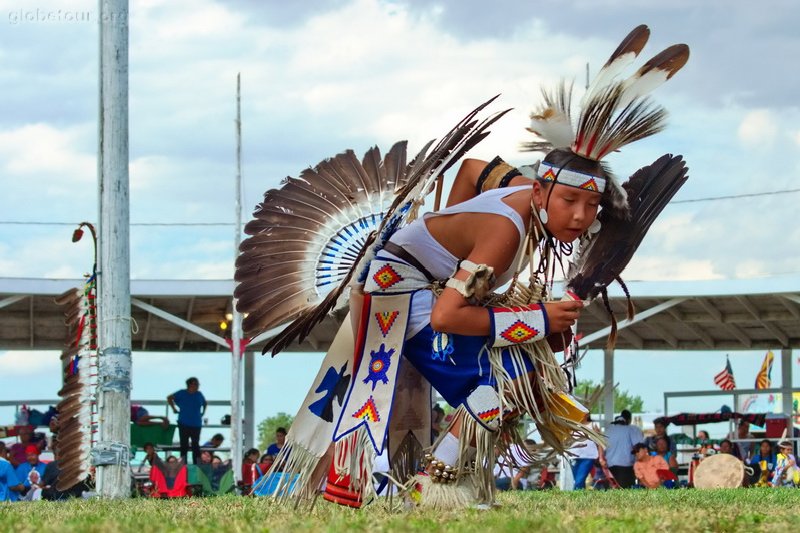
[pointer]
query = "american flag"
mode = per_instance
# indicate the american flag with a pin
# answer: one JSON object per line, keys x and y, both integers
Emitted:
{"x": 724, "y": 380}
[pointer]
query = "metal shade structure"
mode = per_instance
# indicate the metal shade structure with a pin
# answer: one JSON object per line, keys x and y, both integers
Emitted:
{"x": 170, "y": 315}
{"x": 701, "y": 315}
{"x": 185, "y": 316}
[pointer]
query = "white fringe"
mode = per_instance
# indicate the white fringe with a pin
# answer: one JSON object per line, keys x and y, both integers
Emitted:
{"x": 294, "y": 460}
{"x": 441, "y": 496}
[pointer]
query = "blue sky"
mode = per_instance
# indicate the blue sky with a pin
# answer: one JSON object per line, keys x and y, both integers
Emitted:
{"x": 322, "y": 76}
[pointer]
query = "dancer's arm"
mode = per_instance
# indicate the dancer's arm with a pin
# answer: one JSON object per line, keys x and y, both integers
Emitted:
{"x": 466, "y": 181}
{"x": 463, "y": 187}
{"x": 494, "y": 237}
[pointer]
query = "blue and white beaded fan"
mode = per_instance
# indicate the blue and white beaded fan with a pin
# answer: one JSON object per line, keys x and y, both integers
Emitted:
{"x": 311, "y": 235}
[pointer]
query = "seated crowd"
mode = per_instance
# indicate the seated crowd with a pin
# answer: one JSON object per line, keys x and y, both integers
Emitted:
{"x": 628, "y": 460}
{"x": 24, "y": 476}
{"x": 631, "y": 460}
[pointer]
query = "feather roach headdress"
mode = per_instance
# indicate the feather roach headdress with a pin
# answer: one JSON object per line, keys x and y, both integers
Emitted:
{"x": 316, "y": 233}
{"x": 613, "y": 112}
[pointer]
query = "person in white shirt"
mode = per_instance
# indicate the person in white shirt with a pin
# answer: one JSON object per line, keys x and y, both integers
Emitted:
{"x": 512, "y": 468}
{"x": 583, "y": 455}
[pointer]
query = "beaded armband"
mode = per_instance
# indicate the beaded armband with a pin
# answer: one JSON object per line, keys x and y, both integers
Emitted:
{"x": 517, "y": 325}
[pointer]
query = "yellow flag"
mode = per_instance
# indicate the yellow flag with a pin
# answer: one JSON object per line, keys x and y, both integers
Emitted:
{"x": 763, "y": 379}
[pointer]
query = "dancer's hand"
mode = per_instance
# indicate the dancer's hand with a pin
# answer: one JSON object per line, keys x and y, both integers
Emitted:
{"x": 562, "y": 315}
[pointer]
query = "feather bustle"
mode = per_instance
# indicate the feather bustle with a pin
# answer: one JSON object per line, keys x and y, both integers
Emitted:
{"x": 363, "y": 188}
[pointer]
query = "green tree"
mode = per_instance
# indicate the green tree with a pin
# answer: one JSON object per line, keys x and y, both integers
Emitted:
{"x": 267, "y": 427}
{"x": 622, "y": 399}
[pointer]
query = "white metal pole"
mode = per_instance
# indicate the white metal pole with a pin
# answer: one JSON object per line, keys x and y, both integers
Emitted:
{"x": 786, "y": 387}
{"x": 249, "y": 399}
{"x": 236, "y": 329}
{"x": 608, "y": 391}
{"x": 114, "y": 306}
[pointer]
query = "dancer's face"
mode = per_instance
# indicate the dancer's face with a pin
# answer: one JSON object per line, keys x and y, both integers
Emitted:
{"x": 570, "y": 211}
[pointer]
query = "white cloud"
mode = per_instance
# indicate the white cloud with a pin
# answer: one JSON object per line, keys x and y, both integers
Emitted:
{"x": 28, "y": 363}
{"x": 759, "y": 128}
{"x": 38, "y": 151}
{"x": 351, "y": 75}
{"x": 666, "y": 268}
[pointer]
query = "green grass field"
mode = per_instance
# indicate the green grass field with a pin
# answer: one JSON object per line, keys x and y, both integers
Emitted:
{"x": 633, "y": 510}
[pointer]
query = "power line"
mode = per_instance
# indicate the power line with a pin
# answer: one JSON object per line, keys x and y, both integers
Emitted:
{"x": 734, "y": 196}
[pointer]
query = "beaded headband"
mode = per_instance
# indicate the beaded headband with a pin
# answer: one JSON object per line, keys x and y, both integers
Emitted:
{"x": 573, "y": 178}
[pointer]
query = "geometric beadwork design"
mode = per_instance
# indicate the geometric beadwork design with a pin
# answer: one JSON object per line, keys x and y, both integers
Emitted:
{"x": 385, "y": 320}
{"x": 386, "y": 277}
{"x": 491, "y": 414}
{"x": 519, "y": 332}
{"x": 379, "y": 364}
{"x": 590, "y": 185}
{"x": 581, "y": 180}
{"x": 368, "y": 411}
{"x": 549, "y": 175}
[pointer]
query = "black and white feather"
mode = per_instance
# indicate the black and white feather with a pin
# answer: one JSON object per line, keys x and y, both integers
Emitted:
{"x": 614, "y": 111}
{"x": 603, "y": 257}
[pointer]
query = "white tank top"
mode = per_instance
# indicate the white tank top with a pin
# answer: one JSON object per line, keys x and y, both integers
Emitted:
{"x": 418, "y": 241}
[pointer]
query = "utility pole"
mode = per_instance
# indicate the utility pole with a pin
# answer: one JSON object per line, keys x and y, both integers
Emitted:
{"x": 236, "y": 326}
{"x": 111, "y": 453}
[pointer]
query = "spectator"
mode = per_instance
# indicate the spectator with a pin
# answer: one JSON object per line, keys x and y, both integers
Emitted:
{"x": 141, "y": 417}
{"x": 263, "y": 466}
{"x": 150, "y": 455}
{"x": 622, "y": 436}
{"x": 280, "y": 440}
{"x": 702, "y": 436}
{"x": 765, "y": 460}
{"x": 743, "y": 449}
{"x": 10, "y": 486}
{"x": 248, "y": 461}
{"x": 53, "y": 426}
{"x": 192, "y": 405}
{"x": 726, "y": 446}
{"x": 206, "y": 457}
{"x": 512, "y": 468}
{"x": 31, "y": 471}
{"x": 50, "y": 478}
{"x": 787, "y": 472}
{"x": 660, "y": 428}
{"x": 662, "y": 450}
{"x": 437, "y": 417}
{"x": 18, "y": 451}
{"x": 251, "y": 456}
{"x": 215, "y": 442}
{"x": 648, "y": 467}
{"x": 584, "y": 454}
